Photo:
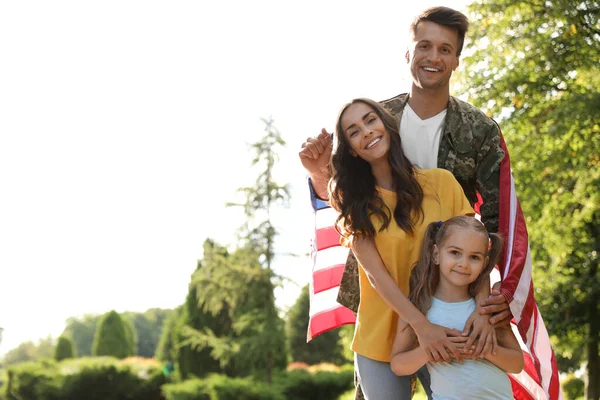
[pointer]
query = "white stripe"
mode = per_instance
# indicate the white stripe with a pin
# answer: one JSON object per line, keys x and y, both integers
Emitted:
{"x": 529, "y": 384}
{"x": 331, "y": 256}
{"x": 325, "y": 217}
{"x": 522, "y": 289}
{"x": 511, "y": 225}
{"x": 541, "y": 343}
{"x": 324, "y": 300}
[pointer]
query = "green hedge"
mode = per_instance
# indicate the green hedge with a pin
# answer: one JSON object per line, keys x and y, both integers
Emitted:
{"x": 106, "y": 378}
{"x": 292, "y": 385}
{"x": 221, "y": 387}
{"x": 323, "y": 385}
{"x": 92, "y": 379}
{"x": 33, "y": 381}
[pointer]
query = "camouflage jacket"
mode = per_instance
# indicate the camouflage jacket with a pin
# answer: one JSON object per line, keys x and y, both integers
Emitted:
{"x": 470, "y": 149}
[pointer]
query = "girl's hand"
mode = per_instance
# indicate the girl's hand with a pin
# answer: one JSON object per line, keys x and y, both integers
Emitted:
{"x": 478, "y": 327}
{"x": 434, "y": 340}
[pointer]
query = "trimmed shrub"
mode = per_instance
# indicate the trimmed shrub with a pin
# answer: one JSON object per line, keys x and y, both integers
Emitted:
{"x": 221, "y": 387}
{"x": 226, "y": 388}
{"x": 64, "y": 349}
{"x": 114, "y": 337}
{"x": 107, "y": 378}
{"x": 102, "y": 378}
{"x": 323, "y": 385}
{"x": 191, "y": 389}
{"x": 34, "y": 381}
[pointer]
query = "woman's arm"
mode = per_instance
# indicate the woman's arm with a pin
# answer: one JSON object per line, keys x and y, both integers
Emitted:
{"x": 407, "y": 355}
{"x": 432, "y": 338}
{"x": 509, "y": 356}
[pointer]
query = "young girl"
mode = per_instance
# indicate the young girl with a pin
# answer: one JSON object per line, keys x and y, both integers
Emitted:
{"x": 456, "y": 256}
{"x": 385, "y": 205}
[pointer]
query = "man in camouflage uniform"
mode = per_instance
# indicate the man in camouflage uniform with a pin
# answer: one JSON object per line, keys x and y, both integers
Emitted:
{"x": 469, "y": 145}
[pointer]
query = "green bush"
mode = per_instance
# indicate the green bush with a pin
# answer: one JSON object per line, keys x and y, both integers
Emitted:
{"x": 221, "y": 387}
{"x": 226, "y": 388}
{"x": 64, "y": 349}
{"x": 34, "y": 381}
{"x": 322, "y": 385}
{"x": 191, "y": 389}
{"x": 573, "y": 388}
{"x": 114, "y": 337}
{"x": 98, "y": 381}
{"x": 102, "y": 378}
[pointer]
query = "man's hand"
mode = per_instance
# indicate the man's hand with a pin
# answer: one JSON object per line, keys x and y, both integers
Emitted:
{"x": 479, "y": 328}
{"x": 435, "y": 340}
{"x": 496, "y": 304}
{"x": 316, "y": 152}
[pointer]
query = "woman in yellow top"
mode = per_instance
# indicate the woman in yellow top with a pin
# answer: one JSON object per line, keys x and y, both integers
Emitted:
{"x": 385, "y": 205}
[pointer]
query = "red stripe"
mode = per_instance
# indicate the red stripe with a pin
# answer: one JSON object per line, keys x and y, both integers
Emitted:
{"x": 554, "y": 389}
{"x": 327, "y": 278}
{"x": 327, "y": 237}
{"x": 530, "y": 368}
{"x": 328, "y": 320}
{"x": 519, "y": 392}
{"x": 526, "y": 315}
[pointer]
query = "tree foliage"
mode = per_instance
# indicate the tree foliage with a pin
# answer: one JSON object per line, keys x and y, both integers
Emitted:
{"x": 191, "y": 359}
{"x": 242, "y": 282}
{"x": 81, "y": 330}
{"x": 148, "y": 327}
{"x": 166, "y": 348}
{"x": 326, "y": 347}
{"x": 535, "y": 69}
{"x": 30, "y": 351}
{"x": 64, "y": 349}
{"x": 114, "y": 337}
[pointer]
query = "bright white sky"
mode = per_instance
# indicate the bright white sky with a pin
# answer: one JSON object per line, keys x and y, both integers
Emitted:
{"x": 124, "y": 128}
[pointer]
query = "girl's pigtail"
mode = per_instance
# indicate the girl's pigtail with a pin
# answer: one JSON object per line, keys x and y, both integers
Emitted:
{"x": 424, "y": 277}
{"x": 496, "y": 244}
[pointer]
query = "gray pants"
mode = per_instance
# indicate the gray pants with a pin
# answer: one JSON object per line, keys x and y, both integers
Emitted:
{"x": 378, "y": 382}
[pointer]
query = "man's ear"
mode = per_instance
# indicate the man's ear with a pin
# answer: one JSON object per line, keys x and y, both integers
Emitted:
{"x": 457, "y": 63}
{"x": 435, "y": 255}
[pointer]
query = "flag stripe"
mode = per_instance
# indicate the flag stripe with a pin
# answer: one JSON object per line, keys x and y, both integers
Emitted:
{"x": 327, "y": 258}
{"x": 327, "y": 237}
{"x": 328, "y": 278}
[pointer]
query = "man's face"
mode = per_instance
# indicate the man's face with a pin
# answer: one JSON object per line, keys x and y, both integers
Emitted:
{"x": 432, "y": 55}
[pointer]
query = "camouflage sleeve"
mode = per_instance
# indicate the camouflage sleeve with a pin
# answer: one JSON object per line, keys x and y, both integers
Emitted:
{"x": 349, "y": 292}
{"x": 489, "y": 157}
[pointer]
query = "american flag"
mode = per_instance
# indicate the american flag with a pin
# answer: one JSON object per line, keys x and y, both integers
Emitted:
{"x": 539, "y": 379}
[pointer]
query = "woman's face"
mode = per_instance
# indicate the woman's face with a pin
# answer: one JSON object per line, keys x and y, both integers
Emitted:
{"x": 365, "y": 133}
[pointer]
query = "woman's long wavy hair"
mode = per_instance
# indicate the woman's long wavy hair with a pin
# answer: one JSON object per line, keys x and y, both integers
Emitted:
{"x": 352, "y": 190}
{"x": 425, "y": 276}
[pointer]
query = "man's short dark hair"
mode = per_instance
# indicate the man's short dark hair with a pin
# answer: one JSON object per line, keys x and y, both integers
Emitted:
{"x": 446, "y": 17}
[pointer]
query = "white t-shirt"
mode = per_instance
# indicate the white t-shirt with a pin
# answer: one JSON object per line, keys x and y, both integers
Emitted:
{"x": 421, "y": 138}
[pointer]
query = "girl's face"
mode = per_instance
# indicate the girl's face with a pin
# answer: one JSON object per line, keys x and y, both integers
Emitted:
{"x": 365, "y": 133}
{"x": 461, "y": 257}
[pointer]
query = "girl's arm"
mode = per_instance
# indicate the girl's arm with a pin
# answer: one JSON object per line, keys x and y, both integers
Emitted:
{"x": 509, "y": 356}
{"x": 432, "y": 338}
{"x": 407, "y": 355}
